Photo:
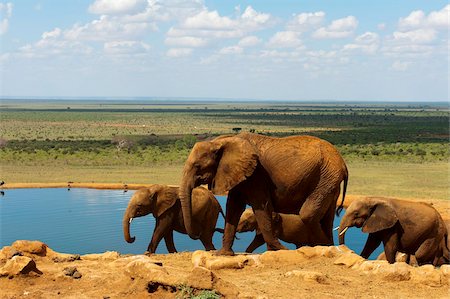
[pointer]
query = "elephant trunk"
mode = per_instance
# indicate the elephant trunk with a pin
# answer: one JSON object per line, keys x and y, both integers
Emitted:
{"x": 126, "y": 228}
{"x": 185, "y": 193}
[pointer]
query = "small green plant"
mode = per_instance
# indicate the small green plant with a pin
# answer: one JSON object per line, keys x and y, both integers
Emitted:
{"x": 207, "y": 294}
{"x": 187, "y": 292}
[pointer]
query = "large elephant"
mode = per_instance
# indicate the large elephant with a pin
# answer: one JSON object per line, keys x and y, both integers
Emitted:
{"x": 163, "y": 202}
{"x": 287, "y": 227}
{"x": 291, "y": 175}
{"x": 414, "y": 228}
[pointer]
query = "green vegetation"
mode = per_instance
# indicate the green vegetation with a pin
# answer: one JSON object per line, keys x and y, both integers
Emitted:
{"x": 186, "y": 292}
{"x": 119, "y": 136}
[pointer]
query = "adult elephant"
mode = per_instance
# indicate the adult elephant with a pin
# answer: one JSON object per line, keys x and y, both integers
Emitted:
{"x": 163, "y": 202}
{"x": 414, "y": 228}
{"x": 292, "y": 175}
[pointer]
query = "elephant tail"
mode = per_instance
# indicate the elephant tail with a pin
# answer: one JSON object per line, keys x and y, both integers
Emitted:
{"x": 221, "y": 230}
{"x": 221, "y": 212}
{"x": 341, "y": 206}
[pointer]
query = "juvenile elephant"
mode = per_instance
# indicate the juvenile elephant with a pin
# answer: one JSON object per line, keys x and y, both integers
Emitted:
{"x": 163, "y": 202}
{"x": 292, "y": 175}
{"x": 287, "y": 227}
{"x": 413, "y": 228}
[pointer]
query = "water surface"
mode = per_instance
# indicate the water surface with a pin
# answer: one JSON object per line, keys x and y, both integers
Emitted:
{"x": 90, "y": 221}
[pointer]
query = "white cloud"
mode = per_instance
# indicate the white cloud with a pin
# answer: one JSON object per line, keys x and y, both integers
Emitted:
{"x": 6, "y": 13}
{"x": 249, "y": 41}
{"x": 109, "y": 7}
{"x": 418, "y": 19}
{"x": 285, "y": 39}
{"x": 340, "y": 28}
{"x": 418, "y": 36}
{"x": 231, "y": 50}
{"x": 125, "y": 47}
{"x": 179, "y": 52}
{"x": 186, "y": 41}
{"x": 306, "y": 21}
{"x": 210, "y": 25}
{"x": 108, "y": 28}
{"x": 369, "y": 42}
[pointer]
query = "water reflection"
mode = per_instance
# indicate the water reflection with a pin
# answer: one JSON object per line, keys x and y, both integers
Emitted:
{"x": 89, "y": 221}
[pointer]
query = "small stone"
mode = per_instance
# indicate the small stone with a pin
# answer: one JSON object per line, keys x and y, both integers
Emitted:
{"x": 308, "y": 276}
{"x": 77, "y": 275}
{"x": 69, "y": 271}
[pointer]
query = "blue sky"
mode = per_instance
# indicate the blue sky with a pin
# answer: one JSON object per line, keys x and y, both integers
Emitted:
{"x": 276, "y": 50}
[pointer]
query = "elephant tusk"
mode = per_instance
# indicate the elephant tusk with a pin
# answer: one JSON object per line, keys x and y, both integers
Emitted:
{"x": 131, "y": 219}
{"x": 336, "y": 228}
{"x": 343, "y": 232}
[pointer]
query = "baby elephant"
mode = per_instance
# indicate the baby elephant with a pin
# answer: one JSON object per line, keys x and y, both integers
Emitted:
{"x": 413, "y": 228}
{"x": 163, "y": 202}
{"x": 287, "y": 227}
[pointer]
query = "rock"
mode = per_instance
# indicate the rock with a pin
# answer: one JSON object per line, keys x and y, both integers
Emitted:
{"x": 109, "y": 255}
{"x": 308, "y": 276}
{"x": 145, "y": 269}
{"x": 19, "y": 265}
{"x": 206, "y": 259}
{"x": 399, "y": 257}
{"x": 31, "y": 247}
{"x": 321, "y": 251}
{"x": 428, "y": 275}
{"x": 282, "y": 257}
{"x": 72, "y": 271}
{"x": 371, "y": 266}
{"x": 202, "y": 278}
{"x": 349, "y": 259}
{"x": 62, "y": 258}
{"x": 8, "y": 252}
{"x": 400, "y": 271}
{"x": 445, "y": 270}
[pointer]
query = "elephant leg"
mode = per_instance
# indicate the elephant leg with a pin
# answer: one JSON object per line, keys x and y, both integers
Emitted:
{"x": 264, "y": 220}
{"x": 234, "y": 209}
{"x": 207, "y": 241}
{"x": 313, "y": 211}
{"x": 257, "y": 241}
{"x": 328, "y": 218}
{"x": 390, "y": 247}
{"x": 426, "y": 252}
{"x": 372, "y": 243}
{"x": 162, "y": 227}
{"x": 168, "y": 238}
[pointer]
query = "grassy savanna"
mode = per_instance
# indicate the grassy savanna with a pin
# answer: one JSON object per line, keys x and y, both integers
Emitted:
{"x": 392, "y": 150}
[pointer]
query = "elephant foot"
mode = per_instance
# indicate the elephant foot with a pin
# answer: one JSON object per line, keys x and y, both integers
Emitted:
{"x": 276, "y": 247}
{"x": 148, "y": 253}
{"x": 222, "y": 251}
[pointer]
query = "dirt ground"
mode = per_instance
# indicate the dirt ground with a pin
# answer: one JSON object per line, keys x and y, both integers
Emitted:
{"x": 29, "y": 269}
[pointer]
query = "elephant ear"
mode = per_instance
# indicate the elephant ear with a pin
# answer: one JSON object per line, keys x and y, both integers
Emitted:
{"x": 164, "y": 199}
{"x": 238, "y": 161}
{"x": 382, "y": 217}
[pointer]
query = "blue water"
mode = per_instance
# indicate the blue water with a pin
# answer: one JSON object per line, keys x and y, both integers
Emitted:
{"x": 90, "y": 221}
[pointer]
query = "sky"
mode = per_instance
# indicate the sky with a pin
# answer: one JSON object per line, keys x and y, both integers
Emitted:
{"x": 354, "y": 50}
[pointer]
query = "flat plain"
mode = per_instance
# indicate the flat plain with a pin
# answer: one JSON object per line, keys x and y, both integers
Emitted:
{"x": 392, "y": 149}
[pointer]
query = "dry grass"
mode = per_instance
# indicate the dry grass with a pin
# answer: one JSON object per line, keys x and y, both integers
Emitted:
{"x": 411, "y": 180}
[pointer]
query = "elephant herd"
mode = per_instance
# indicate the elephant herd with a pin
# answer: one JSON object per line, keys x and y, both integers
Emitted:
{"x": 292, "y": 185}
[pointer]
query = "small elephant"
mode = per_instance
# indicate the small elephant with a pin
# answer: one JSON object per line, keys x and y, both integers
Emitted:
{"x": 287, "y": 227}
{"x": 414, "y": 228}
{"x": 163, "y": 202}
